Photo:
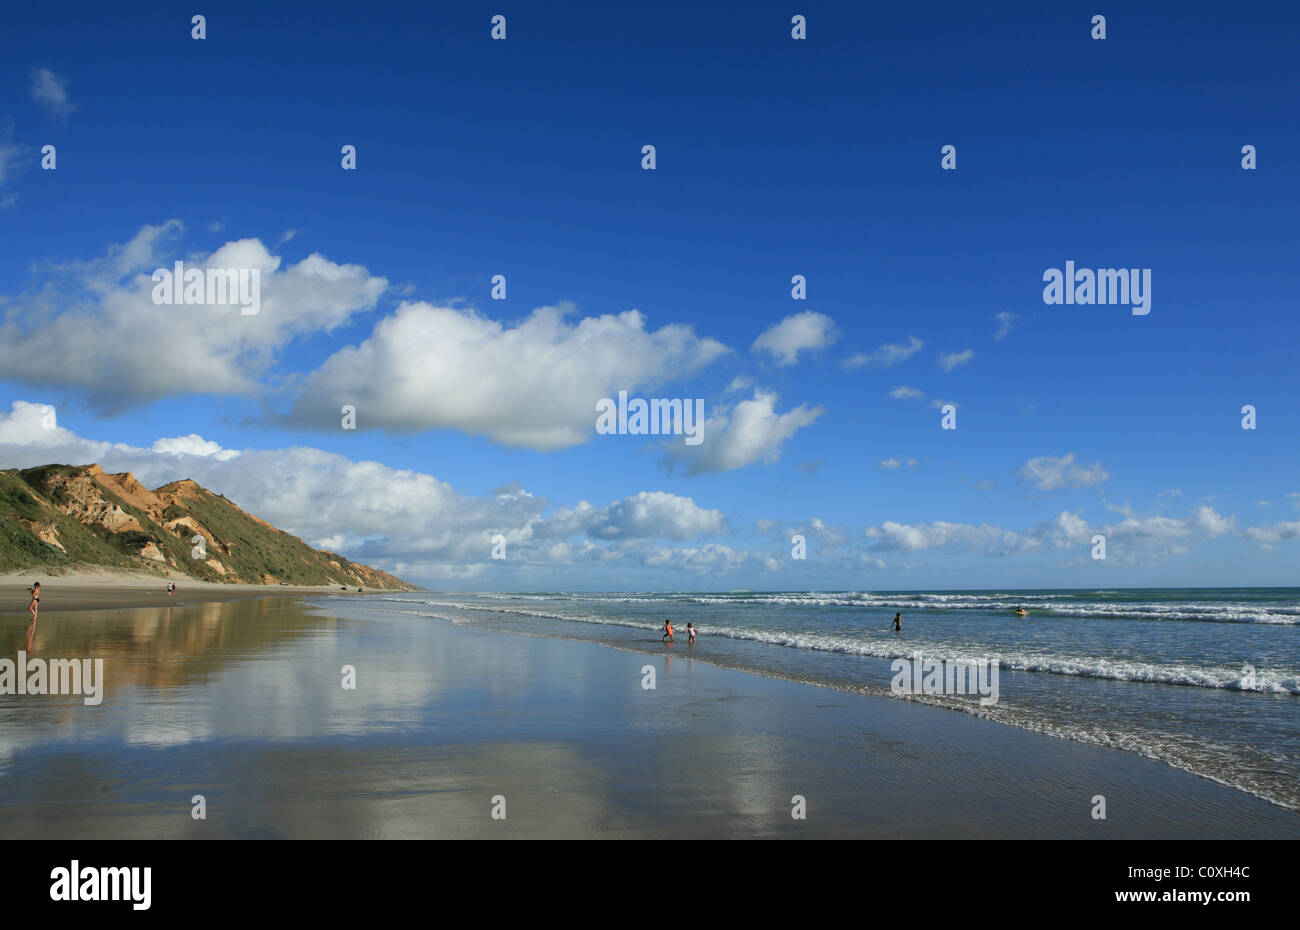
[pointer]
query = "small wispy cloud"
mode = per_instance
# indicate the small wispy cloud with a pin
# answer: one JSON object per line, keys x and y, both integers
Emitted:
{"x": 950, "y": 360}
{"x": 10, "y": 160}
{"x": 903, "y": 392}
{"x": 9, "y": 153}
{"x": 1047, "y": 473}
{"x": 1126, "y": 509}
{"x": 886, "y": 356}
{"x": 1006, "y": 322}
{"x": 51, "y": 92}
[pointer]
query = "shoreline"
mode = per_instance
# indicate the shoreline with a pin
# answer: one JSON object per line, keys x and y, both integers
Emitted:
{"x": 446, "y": 717}
{"x": 1160, "y": 775}
{"x": 915, "y": 700}
{"x": 1021, "y": 724}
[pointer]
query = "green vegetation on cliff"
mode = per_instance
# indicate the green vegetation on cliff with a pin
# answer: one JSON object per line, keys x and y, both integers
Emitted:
{"x": 66, "y": 516}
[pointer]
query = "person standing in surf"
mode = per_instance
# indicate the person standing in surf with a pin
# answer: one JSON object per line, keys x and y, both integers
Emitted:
{"x": 690, "y": 633}
{"x": 668, "y": 631}
{"x": 897, "y": 625}
{"x": 35, "y": 604}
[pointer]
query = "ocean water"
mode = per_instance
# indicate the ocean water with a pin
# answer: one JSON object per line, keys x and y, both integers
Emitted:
{"x": 1207, "y": 680}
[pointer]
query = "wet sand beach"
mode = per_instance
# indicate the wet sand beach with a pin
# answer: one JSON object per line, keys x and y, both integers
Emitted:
{"x": 243, "y": 702}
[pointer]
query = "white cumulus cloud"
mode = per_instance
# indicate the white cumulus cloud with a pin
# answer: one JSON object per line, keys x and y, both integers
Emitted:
{"x": 1274, "y": 533}
{"x": 94, "y": 325}
{"x": 799, "y": 332}
{"x": 193, "y": 444}
{"x": 648, "y": 514}
{"x": 400, "y": 519}
{"x": 533, "y": 384}
{"x": 982, "y": 539}
{"x": 751, "y": 431}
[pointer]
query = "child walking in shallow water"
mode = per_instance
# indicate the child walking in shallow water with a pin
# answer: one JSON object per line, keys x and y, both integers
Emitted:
{"x": 690, "y": 631}
{"x": 668, "y": 631}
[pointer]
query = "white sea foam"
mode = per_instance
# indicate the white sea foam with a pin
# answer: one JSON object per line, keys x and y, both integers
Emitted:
{"x": 1114, "y": 669}
{"x": 1043, "y": 604}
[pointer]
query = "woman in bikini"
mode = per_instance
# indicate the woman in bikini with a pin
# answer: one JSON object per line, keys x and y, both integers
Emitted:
{"x": 34, "y": 606}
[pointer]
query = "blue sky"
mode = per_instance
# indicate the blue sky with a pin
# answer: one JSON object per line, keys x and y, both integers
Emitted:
{"x": 775, "y": 157}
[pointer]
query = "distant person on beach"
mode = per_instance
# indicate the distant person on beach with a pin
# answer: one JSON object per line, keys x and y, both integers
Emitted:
{"x": 898, "y": 623}
{"x": 690, "y": 632}
{"x": 668, "y": 631}
{"x": 1021, "y": 612}
{"x": 35, "y": 605}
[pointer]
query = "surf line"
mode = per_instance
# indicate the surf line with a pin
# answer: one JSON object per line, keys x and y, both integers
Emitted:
{"x": 955, "y": 676}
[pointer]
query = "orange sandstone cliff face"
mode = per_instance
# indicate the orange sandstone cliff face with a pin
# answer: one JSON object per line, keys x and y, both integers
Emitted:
{"x": 69, "y": 515}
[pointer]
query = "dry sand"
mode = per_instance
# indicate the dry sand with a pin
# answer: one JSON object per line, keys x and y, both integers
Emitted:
{"x": 109, "y": 590}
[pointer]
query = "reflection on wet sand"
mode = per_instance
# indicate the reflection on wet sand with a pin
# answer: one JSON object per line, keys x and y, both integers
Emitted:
{"x": 164, "y": 647}
{"x": 243, "y": 703}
